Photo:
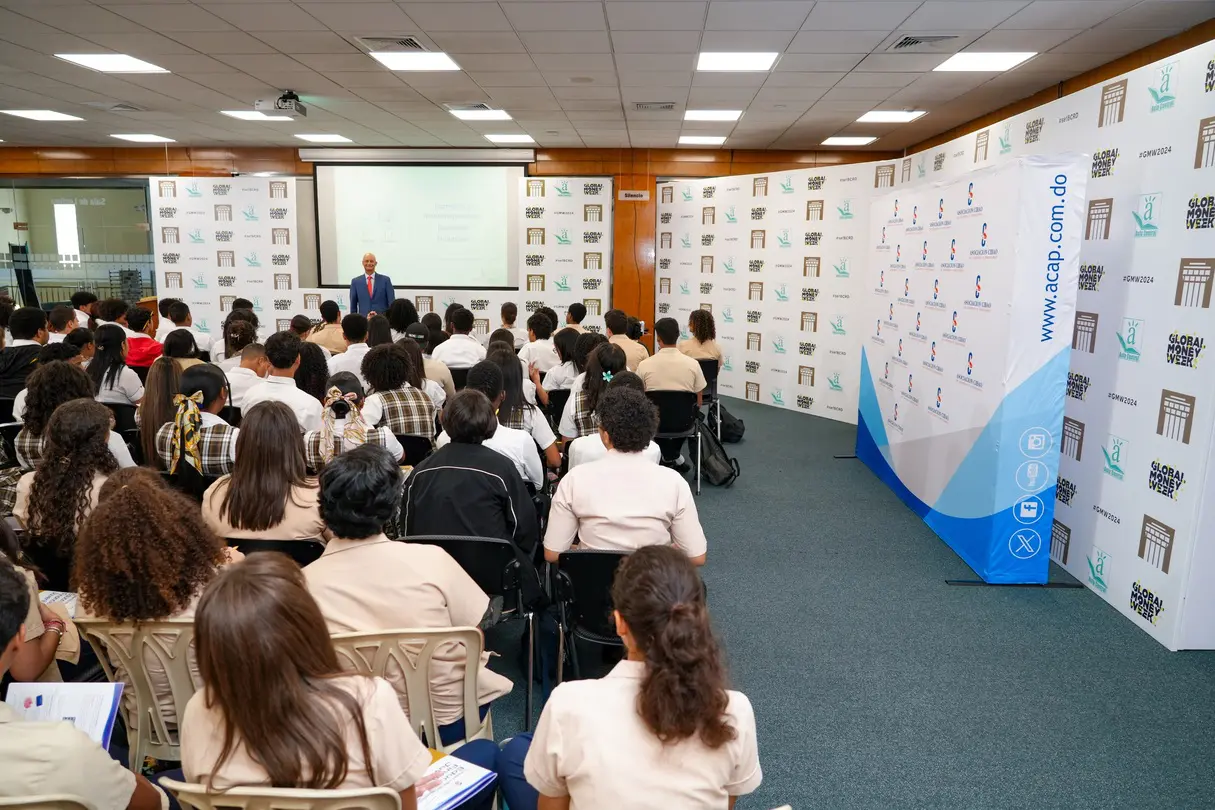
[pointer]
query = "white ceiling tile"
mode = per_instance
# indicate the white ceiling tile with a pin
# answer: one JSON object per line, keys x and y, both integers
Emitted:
{"x": 675, "y": 94}
{"x": 487, "y": 42}
{"x": 794, "y": 95}
{"x": 659, "y": 61}
{"x": 325, "y": 62}
{"x": 975, "y": 14}
{"x": 890, "y": 81}
{"x": 854, "y": 15}
{"x": 583, "y": 62}
{"x": 1022, "y": 41}
{"x": 562, "y": 78}
{"x": 583, "y": 105}
{"x": 745, "y": 40}
{"x": 1047, "y": 14}
{"x": 1175, "y": 15}
{"x": 715, "y": 97}
{"x": 624, "y": 42}
{"x": 253, "y": 63}
{"x": 656, "y": 15}
{"x": 77, "y": 19}
{"x": 451, "y": 82}
{"x": 362, "y": 18}
{"x": 712, "y": 78}
{"x": 213, "y": 43}
{"x": 486, "y": 62}
{"x": 508, "y": 78}
{"x": 1107, "y": 39}
{"x": 580, "y": 118}
{"x": 364, "y": 78}
{"x": 192, "y": 63}
{"x": 51, "y": 43}
{"x": 1067, "y": 63}
{"x": 822, "y": 79}
{"x": 263, "y": 16}
{"x": 810, "y": 62}
{"x": 655, "y": 78}
{"x": 166, "y": 18}
{"x": 900, "y": 62}
{"x": 580, "y": 92}
{"x": 816, "y": 42}
{"x": 457, "y": 16}
{"x": 758, "y": 15}
{"x": 573, "y": 42}
{"x": 389, "y": 94}
{"x": 839, "y": 93}
{"x": 555, "y": 16}
{"x": 515, "y": 102}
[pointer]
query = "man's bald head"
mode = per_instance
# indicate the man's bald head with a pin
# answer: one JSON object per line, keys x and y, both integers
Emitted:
{"x": 369, "y": 263}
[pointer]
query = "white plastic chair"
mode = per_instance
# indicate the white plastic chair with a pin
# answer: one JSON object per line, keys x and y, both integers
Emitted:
{"x": 56, "y": 801}
{"x": 263, "y": 798}
{"x": 412, "y": 650}
{"x": 150, "y": 732}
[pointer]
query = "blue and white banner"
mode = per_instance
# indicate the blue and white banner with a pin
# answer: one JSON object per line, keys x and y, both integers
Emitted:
{"x": 969, "y": 300}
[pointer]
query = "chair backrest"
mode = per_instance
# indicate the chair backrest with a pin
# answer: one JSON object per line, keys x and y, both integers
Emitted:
{"x": 134, "y": 444}
{"x": 141, "y": 372}
{"x": 170, "y": 643}
{"x": 6, "y": 409}
{"x": 676, "y": 410}
{"x": 58, "y": 801}
{"x": 8, "y": 434}
{"x": 124, "y": 416}
{"x": 194, "y": 487}
{"x": 459, "y": 376}
{"x": 490, "y": 561}
{"x": 710, "y": 368}
{"x": 556, "y": 404}
{"x": 417, "y": 448}
{"x": 230, "y": 415}
{"x": 585, "y": 584}
{"x": 302, "y": 551}
{"x": 263, "y": 798}
{"x": 412, "y": 652}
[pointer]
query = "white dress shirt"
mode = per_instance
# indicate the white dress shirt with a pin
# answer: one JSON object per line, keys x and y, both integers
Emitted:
{"x": 283, "y": 389}
{"x": 561, "y": 376}
{"x": 540, "y": 352}
{"x": 228, "y": 363}
{"x": 520, "y": 334}
{"x": 55, "y": 337}
{"x": 590, "y": 448}
{"x": 125, "y": 389}
{"x": 240, "y": 380}
{"x": 201, "y": 339}
{"x": 623, "y": 502}
{"x": 130, "y": 333}
{"x": 82, "y": 318}
{"x": 459, "y": 351}
{"x": 517, "y": 445}
{"x": 350, "y": 360}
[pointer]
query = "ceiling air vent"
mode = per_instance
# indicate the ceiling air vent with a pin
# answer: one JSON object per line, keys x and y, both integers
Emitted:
{"x": 402, "y": 44}
{"x": 653, "y": 106}
{"x": 466, "y": 107}
{"x": 921, "y": 42}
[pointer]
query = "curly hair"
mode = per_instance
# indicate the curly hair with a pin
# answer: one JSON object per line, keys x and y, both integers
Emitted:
{"x": 629, "y": 419}
{"x": 237, "y": 316}
{"x": 51, "y": 385}
{"x": 74, "y": 451}
{"x": 417, "y": 363}
{"x": 387, "y": 368}
{"x": 402, "y": 314}
{"x": 310, "y": 377}
{"x": 701, "y": 324}
{"x": 240, "y": 334}
{"x": 583, "y": 348}
{"x": 144, "y": 552}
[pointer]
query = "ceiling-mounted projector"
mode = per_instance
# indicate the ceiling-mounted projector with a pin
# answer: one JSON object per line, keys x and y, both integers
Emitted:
{"x": 287, "y": 104}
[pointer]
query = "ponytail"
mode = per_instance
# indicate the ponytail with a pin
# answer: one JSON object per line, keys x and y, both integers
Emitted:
{"x": 683, "y": 693}
{"x": 604, "y": 363}
{"x": 343, "y": 400}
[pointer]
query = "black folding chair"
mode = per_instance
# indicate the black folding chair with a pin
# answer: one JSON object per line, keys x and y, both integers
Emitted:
{"x": 459, "y": 376}
{"x": 124, "y": 416}
{"x": 417, "y": 448}
{"x": 302, "y": 551}
{"x": 141, "y": 372}
{"x": 583, "y": 590}
{"x": 195, "y": 487}
{"x": 710, "y": 368}
{"x": 556, "y": 406}
{"x": 134, "y": 444}
{"x": 230, "y": 415}
{"x": 494, "y": 565}
{"x": 8, "y": 434}
{"x": 677, "y": 414}
{"x": 6, "y": 409}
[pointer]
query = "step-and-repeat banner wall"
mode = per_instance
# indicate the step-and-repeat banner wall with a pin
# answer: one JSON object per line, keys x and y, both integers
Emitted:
{"x": 969, "y": 297}
{"x": 777, "y": 258}
{"x": 217, "y": 239}
{"x": 565, "y": 247}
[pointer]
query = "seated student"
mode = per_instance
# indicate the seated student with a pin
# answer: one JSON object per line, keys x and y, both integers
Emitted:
{"x": 624, "y": 501}
{"x": 562, "y": 375}
{"x": 461, "y": 350}
{"x": 468, "y": 489}
{"x": 180, "y": 346}
{"x": 364, "y": 582}
{"x": 144, "y": 554}
{"x": 591, "y": 448}
{"x": 343, "y": 427}
{"x": 584, "y": 347}
{"x": 517, "y": 445}
{"x": 111, "y": 311}
{"x": 55, "y": 499}
{"x": 617, "y": 323}
{"x": 703, "y": 343}
{"x": 676, "y": 734}
{"x": 34, "y": 656}
{"x": 539, "y": 352}
{"x": 420, "y": 370}
{"x": 165, "y": 326}
{"x": 82, "y": 338}
{"x": 431, "y": 369}
{"x": 634, "y": 330}
{"x": 198, "y": 437}
{"x": 395, "y": 402}
{"x": 224, "y": 349}
{"x": 20, "y": 356}
{"x": 436, "y": 335}
{"x": 180, "y": 318}
{"x": 83, "y": 304}
{"x": 46, "y": 759}
{"x": 452, "y": 308}
{"x": 354, "y": 330}
{"x": 283, "y": 352}
{"x": 578, "y": 419}
{"x": 47, "y": 354}
{"x": 60, "y": 322}
{"x": 313, "y": 372}
{"x": 252, "y": 369}
{"x": 379, "y": 331}
{"x": 156, "y": 408}
{"x": 240, "y": 335}
{"x": 671, "y": 370}
{"x": 574, "y": 315}
{"x": 401, "y": 315}
{"x": 328, "y": 333}
{"x": 510, "y": 313}
{"x": 301, "y": 327}
{"x": 143, "y": 349}
{"x": 268, "y": 494}
{"x": 516, "y": 412}
{"x": 114, "y": 382}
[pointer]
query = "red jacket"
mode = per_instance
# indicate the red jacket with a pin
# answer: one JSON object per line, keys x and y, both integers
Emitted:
{"x": 142, "y": 351}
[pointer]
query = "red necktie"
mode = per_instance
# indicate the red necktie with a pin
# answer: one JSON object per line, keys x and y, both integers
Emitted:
{"x": 369, "y": 287}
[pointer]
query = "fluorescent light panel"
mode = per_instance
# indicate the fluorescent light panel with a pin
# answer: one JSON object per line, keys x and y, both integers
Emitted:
{"x": 111, "y": 62}
{"x": 702, "y": 140}
{"x": 415, "y": 61}
{"x": 481, "y": 115}
{"x": 42, "y": 115}
{"x": 510, "y": 138}
{"x": 850, "y": 140}
{"x": 889, "y": 116}
{"x": 323, "y": 138}
{"x": 984, "y": 62}
{"x": 255, "y": 115}
{"x": 144, "y": 138}
{"x": 712, "y": 115}
{"x": 740, "y": 61}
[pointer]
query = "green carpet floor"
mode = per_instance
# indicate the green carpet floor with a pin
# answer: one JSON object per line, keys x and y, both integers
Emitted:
{"x": 876, "y": 685}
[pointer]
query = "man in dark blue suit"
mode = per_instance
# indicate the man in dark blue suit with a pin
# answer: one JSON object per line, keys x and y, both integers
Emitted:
{"x": 371, "y": 292}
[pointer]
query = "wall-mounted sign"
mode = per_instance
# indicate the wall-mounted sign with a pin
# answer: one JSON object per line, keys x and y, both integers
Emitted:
{"x": 633, "y": 196}
{"x": 21, "y": 226}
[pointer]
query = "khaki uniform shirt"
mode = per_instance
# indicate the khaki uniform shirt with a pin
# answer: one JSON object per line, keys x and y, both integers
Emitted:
{"x": 709, "y": 350}
{"x": 634, "y": 352}
{"x": 329, "y": 336}
{"x": 671, "y": 370}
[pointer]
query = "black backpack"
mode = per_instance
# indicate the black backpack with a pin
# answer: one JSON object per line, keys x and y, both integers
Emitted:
{"x": 732, "y": 428}
{"x": 716, "y": 467}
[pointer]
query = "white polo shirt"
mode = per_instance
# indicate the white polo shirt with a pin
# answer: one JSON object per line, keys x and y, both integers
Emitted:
{"x": 590, "y": 448}
{"x": 350, "y": 360}
{"x": 623, "y": 502}
{"x": 283, "y": 389}
{"x": 124, "y": 389}
{"x": 517, "y": 445}
{"x": 201, "y": 339}
{"x": 55, "y": 337}
{"x": 240, "y": 380}
{"x": 459, "y": 351}
{"x": 540, "y": 352}
{"x": 561, "y": 376}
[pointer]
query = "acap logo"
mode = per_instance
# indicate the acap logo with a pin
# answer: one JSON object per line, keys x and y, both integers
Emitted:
{"x": 915, "y": 214}
{"x": 924, "y": 251}
{"x": 978, "y": 287}
{"x": 983, "y": 236}
{"x": 970, "y": 195}
{"x": 953, "y": 249}
{"x": 970, "y": 364}
{"x": 941, "y": 209}
{"x": 936, "y": 289}
{"x": 954, "y": 326}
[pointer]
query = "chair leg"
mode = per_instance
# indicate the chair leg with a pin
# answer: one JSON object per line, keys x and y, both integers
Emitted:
{"x": 560, "y": 653}
{"x": 574, "y": 664}
{"x": 717, "y": 402}
{"x": 531, "y": 665}
{"x": 699, "y": 455}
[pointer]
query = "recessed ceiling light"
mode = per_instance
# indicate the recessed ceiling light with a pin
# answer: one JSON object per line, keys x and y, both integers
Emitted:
{"x": 42, "y": 115}
{"x": 414, "y": 61}
{"x": 111, "y": 62}
{"x": 481, "y": 115}
{"x": 702, "y": 140}
{"x": 849, "y": 140}
{"x": 144, "y": 138}
{"x": 511, "y": 138}
{"x": 984, "y": 62}
{"x": 712, "y": 115}
{"x": 890, "y": 116}
{"x": 324, "y": 138}
{"x": 254, "y": 115}
{"x": 736, "y": 61}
